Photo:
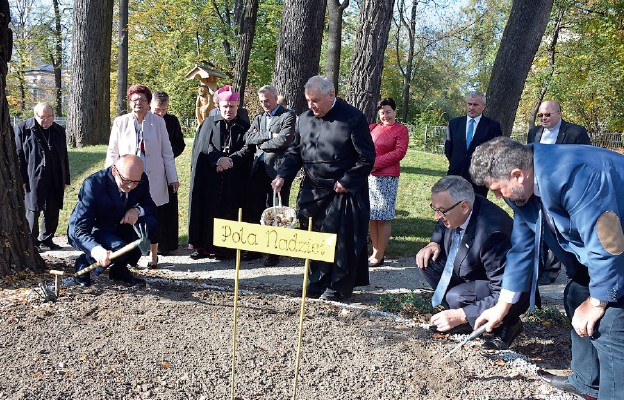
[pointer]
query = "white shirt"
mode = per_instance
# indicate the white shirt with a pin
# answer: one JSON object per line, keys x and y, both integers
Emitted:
{"x": 549, "y": 136}
{"x": 476, "y": 122}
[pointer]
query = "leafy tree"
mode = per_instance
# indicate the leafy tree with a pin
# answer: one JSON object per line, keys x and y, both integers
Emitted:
{"x": 17, "y": 250}
{"x": 584, "y": 69}
{"x": 24, "y": 45}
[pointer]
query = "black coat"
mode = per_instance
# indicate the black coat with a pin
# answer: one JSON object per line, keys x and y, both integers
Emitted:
{"x": 175, "y": 134}
{"x": 337, "y": 147}
{"x": 32, "y": 159}
{"x": 216, "y": 194}
{"x": 568, "y": 134}
{"x": 455, "y": 145}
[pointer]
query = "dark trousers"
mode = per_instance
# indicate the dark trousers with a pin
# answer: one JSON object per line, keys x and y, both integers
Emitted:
{"x": 49, "y": 223}
{"x": 112, "y": 241}
{"x": 461, "y": 293}
{"x": 168, "y": 225}
{"x": 259, "y": 195}
{"x": 597, "y": 361}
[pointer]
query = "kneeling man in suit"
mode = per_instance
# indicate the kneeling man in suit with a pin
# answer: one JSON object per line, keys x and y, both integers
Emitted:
{"x": 110, "y": 202}
{"x": 465, "y": 260}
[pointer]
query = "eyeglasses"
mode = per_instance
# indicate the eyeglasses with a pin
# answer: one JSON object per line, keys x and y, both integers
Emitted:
{"x": 124, "y": 180}
{"x": 547, "y": 115}
{"x": 140, "y": 100}
{"x": 443, "y": 212}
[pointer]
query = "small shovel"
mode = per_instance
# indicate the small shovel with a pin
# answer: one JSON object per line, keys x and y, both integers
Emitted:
{"x": 473, "y": 335}
{"x": 143, "y": 243}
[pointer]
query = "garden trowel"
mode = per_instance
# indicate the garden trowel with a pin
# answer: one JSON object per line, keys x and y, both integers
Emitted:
{"x": 473, "y": 335}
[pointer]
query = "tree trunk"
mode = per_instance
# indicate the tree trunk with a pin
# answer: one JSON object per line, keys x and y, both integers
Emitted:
{"x": 521, "y": 38}
{"x": 334, "y": 40}
{"x": 247, "y": 29}
{"x": 122, "y": 62}
{"x": 298, "y": 49}
{"x": 552, "y": 46}
{"x": 57, "y": 59}
{"x": 368, "y": 56}
{"x": 17, "y": 251}
{"x": 410, "y": 26}
{"x": 88, "y": 119}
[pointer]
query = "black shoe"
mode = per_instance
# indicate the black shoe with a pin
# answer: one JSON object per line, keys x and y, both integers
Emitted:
{"x": 377, "y": 264}
{"x": 271, "y": 261}
{"x": 332, "y": 295}
{"x": 457, "y": 330}
{"x": 82, "y": 280}
{"x": 49, "y": 245}
{"x": 562, "y": 383}
{"x": 504, "y": 337}
{"x": 198, "y": 255}
{"x": 250, "y": 256}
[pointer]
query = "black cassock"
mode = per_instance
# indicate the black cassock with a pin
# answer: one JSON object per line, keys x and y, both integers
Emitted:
{"x": 216, "y": 194}
{"x": 336, "y": 147}
{"x": 168, "y": 212}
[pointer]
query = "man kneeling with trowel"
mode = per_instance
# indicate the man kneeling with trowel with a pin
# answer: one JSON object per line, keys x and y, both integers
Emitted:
{"x": 110, "y": 202}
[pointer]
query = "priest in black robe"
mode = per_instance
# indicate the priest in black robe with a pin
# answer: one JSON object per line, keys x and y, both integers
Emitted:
{"x": 220, "y": 168}
{"x": 334, "y": 146}
{"x": 168, "y": 225}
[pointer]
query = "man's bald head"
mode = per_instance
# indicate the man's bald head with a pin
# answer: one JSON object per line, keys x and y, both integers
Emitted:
{"x": 127, "y": 171}
{"x": 549, "y": 113}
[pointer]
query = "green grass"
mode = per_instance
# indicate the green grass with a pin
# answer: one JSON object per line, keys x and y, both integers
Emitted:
{"x": 408, "y": 305}
{"x": 411, "y": 229}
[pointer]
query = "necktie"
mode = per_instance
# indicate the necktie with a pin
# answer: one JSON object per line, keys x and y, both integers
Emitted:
{"x": 470, "y": 133}
{"x": 537, "y": 253}
{"x": 440, "y": 291}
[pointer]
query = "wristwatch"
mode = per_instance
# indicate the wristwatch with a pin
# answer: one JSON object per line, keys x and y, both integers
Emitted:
{"x": 597, "y": 303}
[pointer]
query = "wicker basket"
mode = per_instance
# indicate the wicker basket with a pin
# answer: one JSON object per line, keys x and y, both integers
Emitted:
{"x": 279, "y": 215}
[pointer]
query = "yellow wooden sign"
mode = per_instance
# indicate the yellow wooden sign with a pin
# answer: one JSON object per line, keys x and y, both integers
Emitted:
{"x": 274, "y": 240}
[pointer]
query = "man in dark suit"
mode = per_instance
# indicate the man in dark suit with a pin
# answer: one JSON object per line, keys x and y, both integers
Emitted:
{"x": 44, "y": 167}
{"x": 110, "y": 202}
{"x": 554, "y": 130}
{"x": 465, "y": 260}
{"x": 464, "y": 134}
{"x": 270, "y": 134}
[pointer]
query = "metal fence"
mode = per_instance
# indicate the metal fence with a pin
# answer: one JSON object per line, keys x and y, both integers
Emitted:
{"x": 431, "y": 139}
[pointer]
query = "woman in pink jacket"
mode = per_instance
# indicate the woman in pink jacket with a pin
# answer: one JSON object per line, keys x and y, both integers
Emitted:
{"x": 390, "y": 138}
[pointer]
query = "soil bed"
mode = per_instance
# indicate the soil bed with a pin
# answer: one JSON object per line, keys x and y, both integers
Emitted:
{"x": 174, "y": 341}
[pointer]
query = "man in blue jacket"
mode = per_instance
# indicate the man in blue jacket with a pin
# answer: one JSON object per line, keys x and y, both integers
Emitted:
{"x": 110, "y": 202}
{"x": 568, "y": 197}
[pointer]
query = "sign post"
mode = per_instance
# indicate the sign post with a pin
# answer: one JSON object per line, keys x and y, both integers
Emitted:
{"x": 273, "y": 240}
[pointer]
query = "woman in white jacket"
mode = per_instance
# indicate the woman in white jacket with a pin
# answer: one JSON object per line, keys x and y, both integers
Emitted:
{"x": 145, "y": 134}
